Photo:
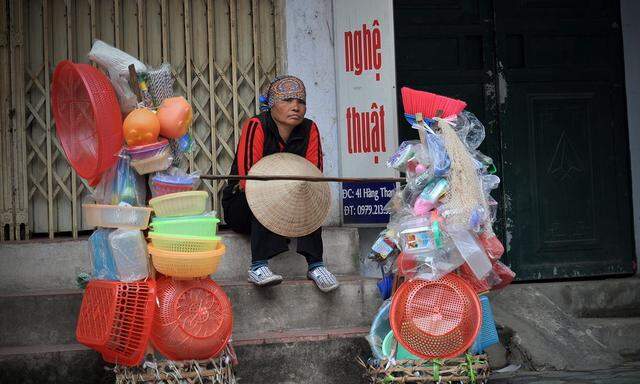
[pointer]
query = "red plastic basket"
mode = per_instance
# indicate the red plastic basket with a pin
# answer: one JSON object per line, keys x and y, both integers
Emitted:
{"x": 480, "y": 286}
{"x": 436, "y": 319}
{"x": 193, "y": 320}
{"x": 88, "y": 119}
{"x": 115, "y": 319}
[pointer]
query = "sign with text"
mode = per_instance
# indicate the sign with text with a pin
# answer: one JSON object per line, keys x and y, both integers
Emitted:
{"x": 366, "y": 104}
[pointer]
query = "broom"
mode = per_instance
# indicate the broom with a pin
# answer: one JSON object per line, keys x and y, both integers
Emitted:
{"x": 429, "y": 104}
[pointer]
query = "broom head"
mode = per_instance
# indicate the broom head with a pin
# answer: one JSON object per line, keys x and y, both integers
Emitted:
{"x": 430, "y": 104}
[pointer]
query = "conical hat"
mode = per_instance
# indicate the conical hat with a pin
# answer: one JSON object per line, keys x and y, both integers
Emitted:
{"x": 291, "y": 208}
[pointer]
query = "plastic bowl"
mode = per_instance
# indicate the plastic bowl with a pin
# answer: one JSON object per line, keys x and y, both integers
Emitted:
{"x": 116, "y": 216}
{"x": 186, "y": 264}
{"x": 145, "y": 151}
{"x": 180, "y": 204}
{"x": 183, "y": 243}
{"x": 205, "y": 226}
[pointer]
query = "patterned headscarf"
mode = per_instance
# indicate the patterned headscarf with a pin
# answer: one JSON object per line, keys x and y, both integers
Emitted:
{"x": 282, "y": 88}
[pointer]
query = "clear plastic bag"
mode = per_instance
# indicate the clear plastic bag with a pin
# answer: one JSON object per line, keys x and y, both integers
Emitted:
{"x": 402, "y": 155}
{"x": 430, "y": 264}
{"x": 116, "y": 63}
{"x": 472, "y": 252}
{"x": 102, "y": 262}
{"x": 119, "y": 184}
{"x": 130, "y": 254}
{"x": 469, "y": 129}
{"x": 160, "y": 161}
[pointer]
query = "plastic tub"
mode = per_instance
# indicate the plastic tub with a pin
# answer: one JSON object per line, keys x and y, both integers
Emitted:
{"x": 205, "y": 226}
{"x": 401, "y": 352}
{"x": 186, "y": 264}
{"x": 183, "y": 243}
{"x": 180, "y": 204}
{"x": 116, "y": 216}
{"x": 380, "y": 327}
{"x": 158, "y": 162}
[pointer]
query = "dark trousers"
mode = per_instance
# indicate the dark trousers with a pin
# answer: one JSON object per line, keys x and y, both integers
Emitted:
{"x": 264, "y": 243}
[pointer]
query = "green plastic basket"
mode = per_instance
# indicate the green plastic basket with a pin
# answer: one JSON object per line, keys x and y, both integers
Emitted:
{"x": 204, "y": 226}
{"x": 401, "y": 352}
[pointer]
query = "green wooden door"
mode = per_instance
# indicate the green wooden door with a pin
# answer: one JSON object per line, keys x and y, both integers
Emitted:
{"x": 564, "y": 135}
{"x": 546, "y": 78}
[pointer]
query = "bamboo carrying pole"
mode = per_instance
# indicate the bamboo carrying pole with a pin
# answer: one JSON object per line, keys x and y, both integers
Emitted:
{"x": 307, "y": 178}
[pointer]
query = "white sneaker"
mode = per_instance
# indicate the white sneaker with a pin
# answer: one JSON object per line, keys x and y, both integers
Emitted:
{"x": 263, "y": 277}
{"x": 324, "y": 279}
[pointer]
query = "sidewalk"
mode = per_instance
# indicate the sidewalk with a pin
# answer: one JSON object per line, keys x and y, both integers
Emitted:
{"x": 629, "y": 373}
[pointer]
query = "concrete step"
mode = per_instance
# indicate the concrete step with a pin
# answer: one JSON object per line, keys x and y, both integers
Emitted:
{"x": 618, "y": 297}
{"x": 55, "y": 264}
{"x": 618, "y": 333}
{"x": 295, "y": 356}
{"x": 38, "y": 318}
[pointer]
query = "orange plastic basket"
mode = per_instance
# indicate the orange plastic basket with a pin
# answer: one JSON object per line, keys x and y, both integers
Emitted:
{"x": 436, "y": 319}
{"x": 115, "y": 319}
{"x": 193, "y": 319}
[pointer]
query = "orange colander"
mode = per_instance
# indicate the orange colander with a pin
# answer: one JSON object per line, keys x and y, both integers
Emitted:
{"x": 436, "y": 319}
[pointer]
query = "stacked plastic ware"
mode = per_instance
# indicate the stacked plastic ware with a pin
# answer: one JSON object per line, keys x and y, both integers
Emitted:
{"x": 439, "y": 243}
{"x": 190, "y": 314}
{"x": 194, "y": 318}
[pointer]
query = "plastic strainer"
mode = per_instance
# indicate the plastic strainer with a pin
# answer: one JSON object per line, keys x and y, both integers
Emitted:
{"x": 88, "y": 119}
{"x": 436, "y": 319}
{"x": 193, "y": 319}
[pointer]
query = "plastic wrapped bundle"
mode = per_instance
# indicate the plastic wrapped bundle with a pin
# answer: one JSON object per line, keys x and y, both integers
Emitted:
{"x": 116, "y": 63}
{"x": 130, "y": 254}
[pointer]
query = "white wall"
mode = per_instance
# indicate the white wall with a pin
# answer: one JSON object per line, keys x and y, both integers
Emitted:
{"x": 630, "y": 11}
{"x": 309, "y": 34}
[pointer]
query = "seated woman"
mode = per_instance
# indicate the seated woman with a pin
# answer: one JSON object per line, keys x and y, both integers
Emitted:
{"x": 280, "y": 128}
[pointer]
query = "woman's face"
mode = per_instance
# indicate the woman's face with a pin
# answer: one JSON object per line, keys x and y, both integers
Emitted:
{"x": 289, "y": 112}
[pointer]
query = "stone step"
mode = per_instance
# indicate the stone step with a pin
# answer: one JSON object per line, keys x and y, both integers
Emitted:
{"x": 295, "y": 356}
{"x": 618, "y": 333}
{"x": 50, "y": 317}
{"x": 55, "y": 264}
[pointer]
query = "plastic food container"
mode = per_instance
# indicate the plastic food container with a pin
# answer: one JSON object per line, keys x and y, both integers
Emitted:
{"x": 158, "y": 162}
{"x": 166, "y": 184}
{"x": 141, "y": 152}
{"x": 186, "y": 264}
{"x": 116, "y": 216}
{"x": 205, "y": 226}
{"x": 183, "y": 243}
{"x": 180, "y": 204}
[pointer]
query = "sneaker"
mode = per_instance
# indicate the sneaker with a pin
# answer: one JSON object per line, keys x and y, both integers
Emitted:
{"x": 324, "y": 279}
{"x": 263, "y": 277}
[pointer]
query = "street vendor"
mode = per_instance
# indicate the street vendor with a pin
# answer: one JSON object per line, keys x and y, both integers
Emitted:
{"x": 281, "y": 127}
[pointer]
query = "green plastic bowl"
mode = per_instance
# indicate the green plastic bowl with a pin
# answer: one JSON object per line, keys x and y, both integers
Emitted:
{"x": 204, "y": 226}
{"x": 401, "y": 352}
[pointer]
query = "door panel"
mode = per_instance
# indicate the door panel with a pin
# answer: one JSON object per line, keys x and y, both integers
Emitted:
{"x": 564, "y": 138}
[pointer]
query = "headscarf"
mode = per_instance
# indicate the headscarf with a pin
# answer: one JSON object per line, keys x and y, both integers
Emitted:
{"x": 282, "y": 88}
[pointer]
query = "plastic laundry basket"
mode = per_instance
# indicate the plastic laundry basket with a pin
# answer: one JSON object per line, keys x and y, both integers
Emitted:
{"x": 488, "y": 335}
{"x": 88, "y": 119}
{"x": 186, "y": 264}
{"x": 180, "y": 204}
{"x": 205, "y": 226}
{"x": 193, "y": 320}
{"x": 115, "y": 319}
{"x": 436, "y": 319}
{"x": 183, "y": 243}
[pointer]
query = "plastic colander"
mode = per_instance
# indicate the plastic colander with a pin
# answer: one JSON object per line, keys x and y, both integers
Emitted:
{"x": 193, "y": 319}
{"x": 194, "y": 225}
{"x": 88, "y": 119}
{"x": 436, "y": 319}
{"x": 186, "y": 264}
